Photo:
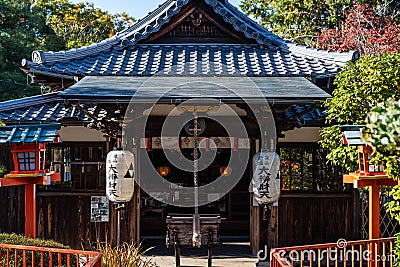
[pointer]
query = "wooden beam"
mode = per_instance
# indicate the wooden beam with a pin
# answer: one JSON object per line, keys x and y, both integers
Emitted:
{"x": 210, "y": 15}
{"x": 153, "y": 37}
{"x": 21, "y": 181}
{"x": 378, "y": 182}
{"x": 365, "y": 182}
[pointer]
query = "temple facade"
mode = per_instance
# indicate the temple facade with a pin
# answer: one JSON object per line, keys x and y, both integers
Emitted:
{"x": 185, "y": 50}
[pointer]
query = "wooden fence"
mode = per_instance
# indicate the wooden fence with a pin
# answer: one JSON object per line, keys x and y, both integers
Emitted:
{"x": 371, "y": 253}
{"x": 13, "y": 255}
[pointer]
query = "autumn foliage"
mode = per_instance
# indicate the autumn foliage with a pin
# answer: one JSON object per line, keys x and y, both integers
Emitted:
{"x": 367, "y": 30}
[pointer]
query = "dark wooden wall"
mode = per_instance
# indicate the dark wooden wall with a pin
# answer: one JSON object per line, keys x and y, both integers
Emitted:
{"x": 310, "y": 219}
{"x": 12, "y": 217}
{"x": 66, "y": 219}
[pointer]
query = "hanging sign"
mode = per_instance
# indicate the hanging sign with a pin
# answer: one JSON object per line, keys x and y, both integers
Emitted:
{"x": 120, "y": 171}
{"x": 99, "y": 209}
{"x": 265, "y": 182}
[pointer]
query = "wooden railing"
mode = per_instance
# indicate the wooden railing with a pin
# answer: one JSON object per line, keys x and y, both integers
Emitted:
{"x": 371, "y": 253}
{"x": 13, "y": 255}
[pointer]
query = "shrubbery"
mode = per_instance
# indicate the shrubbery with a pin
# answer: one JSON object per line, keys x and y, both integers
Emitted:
{"x": 15, "y": 239}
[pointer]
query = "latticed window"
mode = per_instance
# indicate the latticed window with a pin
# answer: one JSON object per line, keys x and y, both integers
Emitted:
{"x": 305, "y": 168}
{"x": 26, "y": 161}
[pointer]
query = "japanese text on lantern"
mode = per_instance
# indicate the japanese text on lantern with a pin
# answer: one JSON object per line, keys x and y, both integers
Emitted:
{"x": 263, "y": 175}
{"x": 266, "y": 183}
{"x": 113, "y": 176}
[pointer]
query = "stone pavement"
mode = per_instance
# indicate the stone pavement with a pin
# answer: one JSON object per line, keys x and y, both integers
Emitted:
{"x": 229, "y": 253}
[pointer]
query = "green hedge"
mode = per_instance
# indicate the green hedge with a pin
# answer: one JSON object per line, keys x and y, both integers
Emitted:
{"x": 14, "y": 239}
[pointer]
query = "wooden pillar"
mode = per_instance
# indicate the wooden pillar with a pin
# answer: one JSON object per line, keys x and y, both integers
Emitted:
{"x": 374, "y": 221}
{"x": 30, "y": 210}
{"x": 138, "y": 173}
{"x": 254, "y": 210}
{"x": 255, "y": 219}
{"x": 274, "y": 238}
{"x": 134, "y": 205}
{"x": 137, "y": 214}
{"x": 374, "y": 211}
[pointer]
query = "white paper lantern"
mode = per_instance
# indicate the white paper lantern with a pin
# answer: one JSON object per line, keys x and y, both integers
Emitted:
{"x": 120, "y": 173}
{"x": 266, "y": 182}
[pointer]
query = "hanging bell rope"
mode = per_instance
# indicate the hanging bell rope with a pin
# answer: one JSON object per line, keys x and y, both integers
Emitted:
{"x": 196, "y": 166}
{"x": 196, "y": 239}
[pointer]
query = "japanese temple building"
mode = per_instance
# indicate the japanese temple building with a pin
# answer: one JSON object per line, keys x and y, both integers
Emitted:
{"x": 90, "y": 88}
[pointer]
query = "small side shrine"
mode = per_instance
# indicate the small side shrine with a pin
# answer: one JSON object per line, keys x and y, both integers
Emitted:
{"x": 28, "y": 147}
{"x": 367, "y": 175}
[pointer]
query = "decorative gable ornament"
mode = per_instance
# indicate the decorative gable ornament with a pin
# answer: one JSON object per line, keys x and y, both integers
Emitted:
{"x": 120, "y": 173}
{"x": 266, "y": 182}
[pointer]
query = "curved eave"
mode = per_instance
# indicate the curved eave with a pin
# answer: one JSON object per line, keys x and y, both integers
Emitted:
{"x": 27, "y": 101}
{"x": 33, "y": 69}
{"x": 153, "y": 22}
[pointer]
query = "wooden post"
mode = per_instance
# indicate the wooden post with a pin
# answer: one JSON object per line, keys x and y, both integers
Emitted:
{"x": 374, "y": 221}
{"x": 254, "y": 210}
{"x": 374, "y": 211}
{"x": 30, "y": 210}
{"x": 257, "y": 240}
{"x": 373, "y": 185}
{"x": 137, "y": 192}
{"x": 274, "y": 237}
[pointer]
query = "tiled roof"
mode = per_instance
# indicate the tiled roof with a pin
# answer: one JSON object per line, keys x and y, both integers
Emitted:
{"x": 33, "y": 133}
{"x": 306, "y": 113}
{"x": 193, "y": 60}
{"x": 50, "y": 109}
{"x": 121, "y": 54}
{"x": 352, "y": 135}
{"x": 43, "y": 109}
{"x": 128, "y": 89}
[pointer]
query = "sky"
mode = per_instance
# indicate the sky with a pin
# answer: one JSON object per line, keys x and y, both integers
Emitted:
{"x": 135, "y": 8}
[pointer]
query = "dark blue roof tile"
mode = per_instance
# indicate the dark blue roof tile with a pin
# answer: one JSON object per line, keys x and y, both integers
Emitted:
{"x": 169, "y": 59}
{"x": 44, "y": 108}
{"x": 33, "y": 133}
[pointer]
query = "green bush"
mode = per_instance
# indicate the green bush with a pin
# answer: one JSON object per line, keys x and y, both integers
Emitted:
{"x": 15, "y": 239}
{"x": 3, "y": 169}
{"x": 397, "y": 250}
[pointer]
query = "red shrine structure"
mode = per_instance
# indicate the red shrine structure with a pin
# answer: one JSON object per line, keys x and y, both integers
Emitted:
{"x": 367, "y": 175}
{"x": 28, "y": 148}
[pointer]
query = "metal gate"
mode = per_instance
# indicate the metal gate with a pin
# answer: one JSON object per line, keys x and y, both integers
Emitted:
{"x": 389, "y": 226}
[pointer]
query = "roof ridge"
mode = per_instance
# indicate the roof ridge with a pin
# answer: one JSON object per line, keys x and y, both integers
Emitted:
{"x": 121, "y": 39}
{"x": 341, "y": 58}
{"x": 154, "y": 20}
{"x": 337, "y": 57}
